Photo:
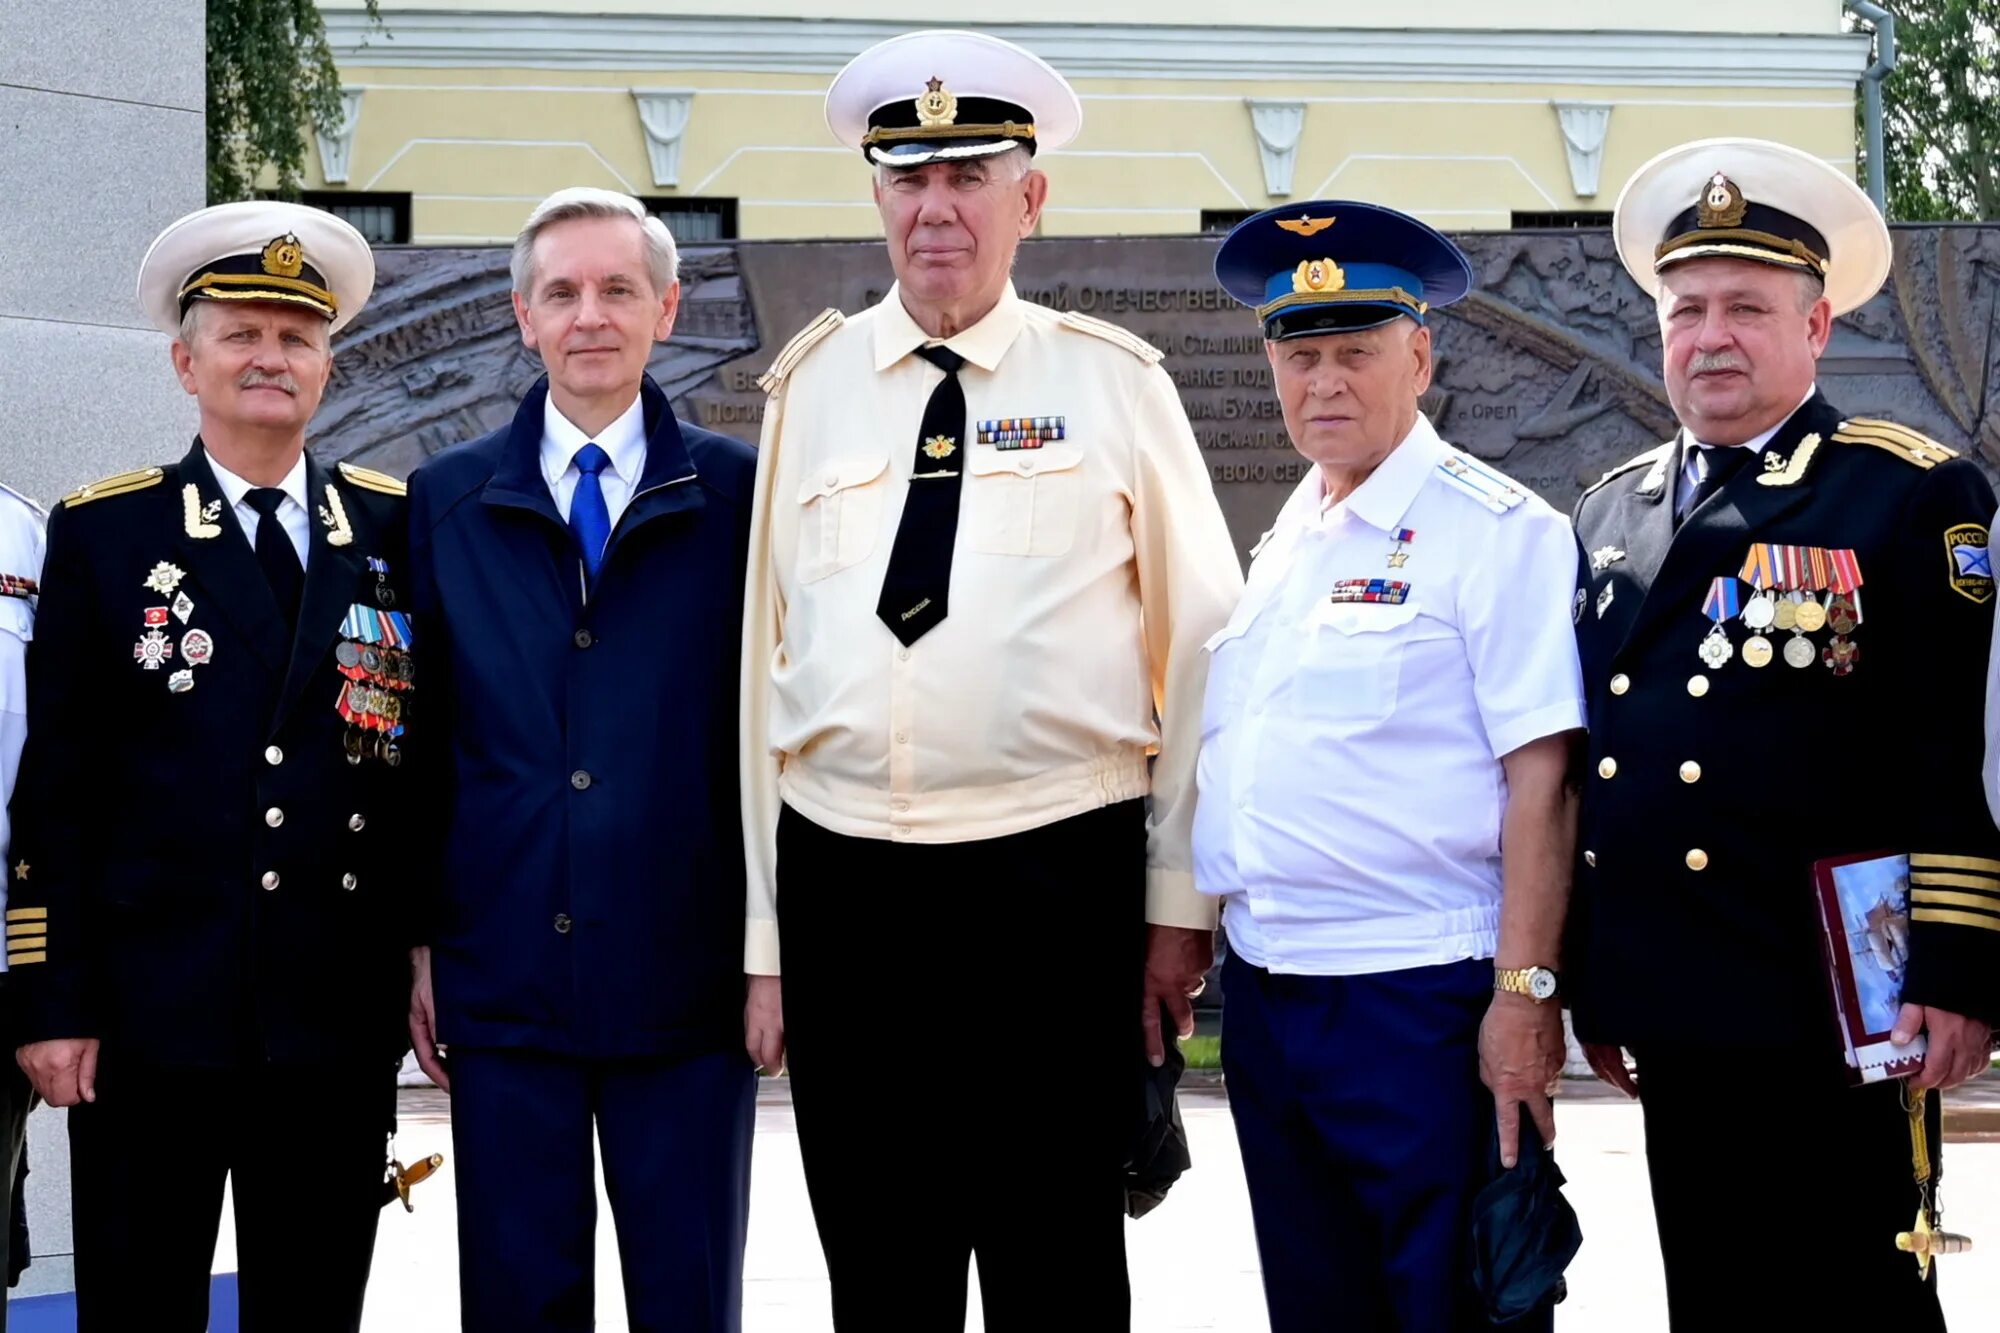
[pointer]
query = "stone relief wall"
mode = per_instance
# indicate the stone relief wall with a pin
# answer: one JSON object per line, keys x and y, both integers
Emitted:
{"x": 1550, "y": 369}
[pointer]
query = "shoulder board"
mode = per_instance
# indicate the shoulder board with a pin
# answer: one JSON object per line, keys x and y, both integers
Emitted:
{"x": 119, "y": 484}
{"x": 368, "y": 479}
{"x": 1647, "y": 459}
{"x": 795, "y": 351}
{"x": 1111, "y": 333}
{"x": 1909, "y": 445}
{"x": 1492, "y": 489}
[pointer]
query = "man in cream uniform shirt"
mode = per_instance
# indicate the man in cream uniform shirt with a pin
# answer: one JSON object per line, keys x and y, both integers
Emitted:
{"x": 1385, "y": 799}
{"x": 985, "y": 557}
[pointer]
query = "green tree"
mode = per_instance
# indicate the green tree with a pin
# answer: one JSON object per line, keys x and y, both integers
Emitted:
{"x": 271, "y": 79}
{"x": 1941, "y": 111}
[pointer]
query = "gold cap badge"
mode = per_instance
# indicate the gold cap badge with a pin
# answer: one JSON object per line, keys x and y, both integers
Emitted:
{"x": 936, "y": 105}
{"x": 1722, "y": 204}
{"x": 284, "y": 256}
{"x": 1305, "y": 226}
{"x": 1318, "y": 275}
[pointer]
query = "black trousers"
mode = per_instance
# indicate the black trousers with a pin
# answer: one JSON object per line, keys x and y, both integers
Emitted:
{"x": 303, "y": 1151}
{"x": 1779, "y": 1192}
{"x": 909, "y": 972}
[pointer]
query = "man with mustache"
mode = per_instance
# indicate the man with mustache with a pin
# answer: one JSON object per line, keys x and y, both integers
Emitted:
{"x": 210, "y": 874}
{"x": 1387, "y": 810}
{"x": 1784, "y": 639}
{"x": 986, "y": 556}
{"x": 580, "y": 571}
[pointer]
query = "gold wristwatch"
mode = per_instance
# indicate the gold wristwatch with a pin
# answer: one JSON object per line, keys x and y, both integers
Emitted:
{"x": 1537, "y": 983}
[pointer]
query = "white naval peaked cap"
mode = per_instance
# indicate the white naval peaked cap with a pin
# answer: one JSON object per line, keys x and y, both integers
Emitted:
{"x": 1757, "y": 200}
{"x": 945, "y": 93}
{"x": 257, "y": 250}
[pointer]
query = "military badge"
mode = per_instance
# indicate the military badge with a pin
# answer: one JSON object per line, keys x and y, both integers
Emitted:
{"x": 1399, "y": 555}
{"x": 384, "y": 594}
{"x": 1305, "y": 226}
{"x": 1318, "y": 275}
{"x": 197, "y": 647}
{"x": 1971, "y": 561}
{"x": 199, "y": 523}
{"x": 1604, "y": 599}
{"x": 180, "y": 682}
{"x": 1393, "y": 592}
{"x": 936, "y": 104}
{"x": 1576, "y": 610}
{"x": 1020, "y": 432}
{"x": 152, "y": 650}
{"x": 164, "y": 578}
{"x": 1721, "y": 203}
{"x": 334, "y": 515}
{"x": 284, "y": 257}
{"x": 183, "y": 607}
{"x": 156, "y": 616}
{"x": 940, "y": 446}
{"x": 1604, "y": 557}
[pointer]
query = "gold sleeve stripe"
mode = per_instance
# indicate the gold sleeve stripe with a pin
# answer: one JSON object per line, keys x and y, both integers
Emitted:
{"x": 1946, "y": 898}
{"x": 23, "y": 959}
{"x": 1934, "y": 861}
{"x": 27, "y": 914}
{"x": 1946, "y": 917}
{"x": 1956, "y": 881}
{"x": 28, "y": 928}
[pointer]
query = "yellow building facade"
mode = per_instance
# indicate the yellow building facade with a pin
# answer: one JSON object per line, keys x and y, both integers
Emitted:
{"x": 1472, "y": 114}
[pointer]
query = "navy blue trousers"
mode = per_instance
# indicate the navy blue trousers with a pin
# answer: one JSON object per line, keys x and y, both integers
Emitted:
{"x": 676, "y": 1142}
{"x": 1365, "y": 1133}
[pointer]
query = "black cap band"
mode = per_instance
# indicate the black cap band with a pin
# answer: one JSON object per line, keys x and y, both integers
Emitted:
{"x": 1762, "y": 233}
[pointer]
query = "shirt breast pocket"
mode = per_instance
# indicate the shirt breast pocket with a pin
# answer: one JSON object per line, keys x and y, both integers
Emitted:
{"x": 840, "y": 514}
{"x": 1024, "y": 501}
{"x": 1352, "y": 663}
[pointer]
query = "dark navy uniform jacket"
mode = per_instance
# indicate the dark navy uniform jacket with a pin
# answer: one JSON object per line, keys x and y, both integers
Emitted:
{"x": 590, "y": 874}
{"x": 1712, "y": 790}
{"x": 201, "y": 878}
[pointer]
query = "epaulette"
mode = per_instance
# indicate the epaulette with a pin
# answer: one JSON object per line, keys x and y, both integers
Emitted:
{"x": 1492, "y": 489}
{"x": 368, "y": 479}
{"x": 795, "y": 351}
{"x": 1646, "y": 459}
{"x": 117, "y": 484}
{"x": 1111, "y": 333}
{"x": 1909, "y": 445}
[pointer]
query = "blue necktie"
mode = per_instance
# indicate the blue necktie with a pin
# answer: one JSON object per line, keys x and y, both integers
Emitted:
{"x": 588, "y": 517}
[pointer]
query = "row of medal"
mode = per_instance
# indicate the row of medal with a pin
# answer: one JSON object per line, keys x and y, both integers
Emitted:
{"x": 155, "y": 648}
{"x": 1798, "y": 590}
{"x": 374, "y": 655}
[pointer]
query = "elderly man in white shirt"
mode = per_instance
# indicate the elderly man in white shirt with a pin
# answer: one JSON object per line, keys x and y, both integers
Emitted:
{"x": 1385, "y": 800}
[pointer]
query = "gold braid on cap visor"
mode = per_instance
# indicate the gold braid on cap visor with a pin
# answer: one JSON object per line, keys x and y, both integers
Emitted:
{"x": 1742, "y": 243}
{"x": 1005, "y": 130}
{"x": 260, "y": 287}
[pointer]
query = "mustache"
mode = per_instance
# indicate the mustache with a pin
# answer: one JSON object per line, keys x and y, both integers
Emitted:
{"x": 1703, "y": 363}
{"x": 257, "y": 379}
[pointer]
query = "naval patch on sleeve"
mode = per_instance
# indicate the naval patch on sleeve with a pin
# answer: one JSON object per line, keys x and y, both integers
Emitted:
{"x": 1971, "y": 560}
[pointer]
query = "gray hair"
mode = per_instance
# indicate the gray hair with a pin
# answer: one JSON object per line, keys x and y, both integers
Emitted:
{"x": 663, "y": 260}
{"x": 191, "y": 325}
{"x": 1009, "y": 166}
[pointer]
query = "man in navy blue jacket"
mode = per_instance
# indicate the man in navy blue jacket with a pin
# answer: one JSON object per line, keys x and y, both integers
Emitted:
{"x": 580, "y": 574}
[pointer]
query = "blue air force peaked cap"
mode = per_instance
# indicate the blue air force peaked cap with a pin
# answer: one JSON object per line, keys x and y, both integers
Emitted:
{"x": 1335, "y": 265}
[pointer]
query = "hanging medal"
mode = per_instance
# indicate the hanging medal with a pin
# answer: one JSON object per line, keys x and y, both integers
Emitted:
{"x": 1720, "y": 605}
{"x": 1761, "y": 611}
{"x": 1812, "y": 612}
{"x": 1799, "y": 650}
{"x": 1843, "y": 612}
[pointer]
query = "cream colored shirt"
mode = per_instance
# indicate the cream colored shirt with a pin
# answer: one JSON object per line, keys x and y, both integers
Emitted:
{"x": 1087, "y": 576}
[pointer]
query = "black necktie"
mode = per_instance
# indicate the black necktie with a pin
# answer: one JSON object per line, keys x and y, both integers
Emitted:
{"x": 276, "y": 553}
{"x": 1723, "y": 463}
{"x": 915, "y": 590}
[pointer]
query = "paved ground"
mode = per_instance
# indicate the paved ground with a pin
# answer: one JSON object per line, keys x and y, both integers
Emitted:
{"x": 1194, "y": 1260}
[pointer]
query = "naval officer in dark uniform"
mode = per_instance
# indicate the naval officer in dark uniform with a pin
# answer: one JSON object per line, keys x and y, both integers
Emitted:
{"x": 207, "y": 879}
{"x": 1784, "y": 639}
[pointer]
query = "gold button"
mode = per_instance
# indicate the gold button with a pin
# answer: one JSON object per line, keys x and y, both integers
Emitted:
{"x": 270, "y": 880}
{"x": 274, "y": 816}
{"x": 1690, "y": 771}
{"x": 348, "y": 881}
{"x": 273, "y": 755}
{"x": 1590, "y": 859}
{"x": 357, "y": 822}
{"x": 1697, "y": 685}
{"x": 1607, "y": 767}
{"x": 1697, "y": 859}
{"x": 1620, "y": 684}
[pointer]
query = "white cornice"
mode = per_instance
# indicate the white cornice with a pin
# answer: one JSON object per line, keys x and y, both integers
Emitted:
{"x": 436, "y": 39}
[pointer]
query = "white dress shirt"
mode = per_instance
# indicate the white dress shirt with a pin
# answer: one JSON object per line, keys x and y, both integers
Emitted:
{"x": 624, "y": 440}
{"x": 1694, "y": 454}
{"x": 22, "y": 543}
{"x": 1350, "y": 785}
{"x": 293, "y": 514}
